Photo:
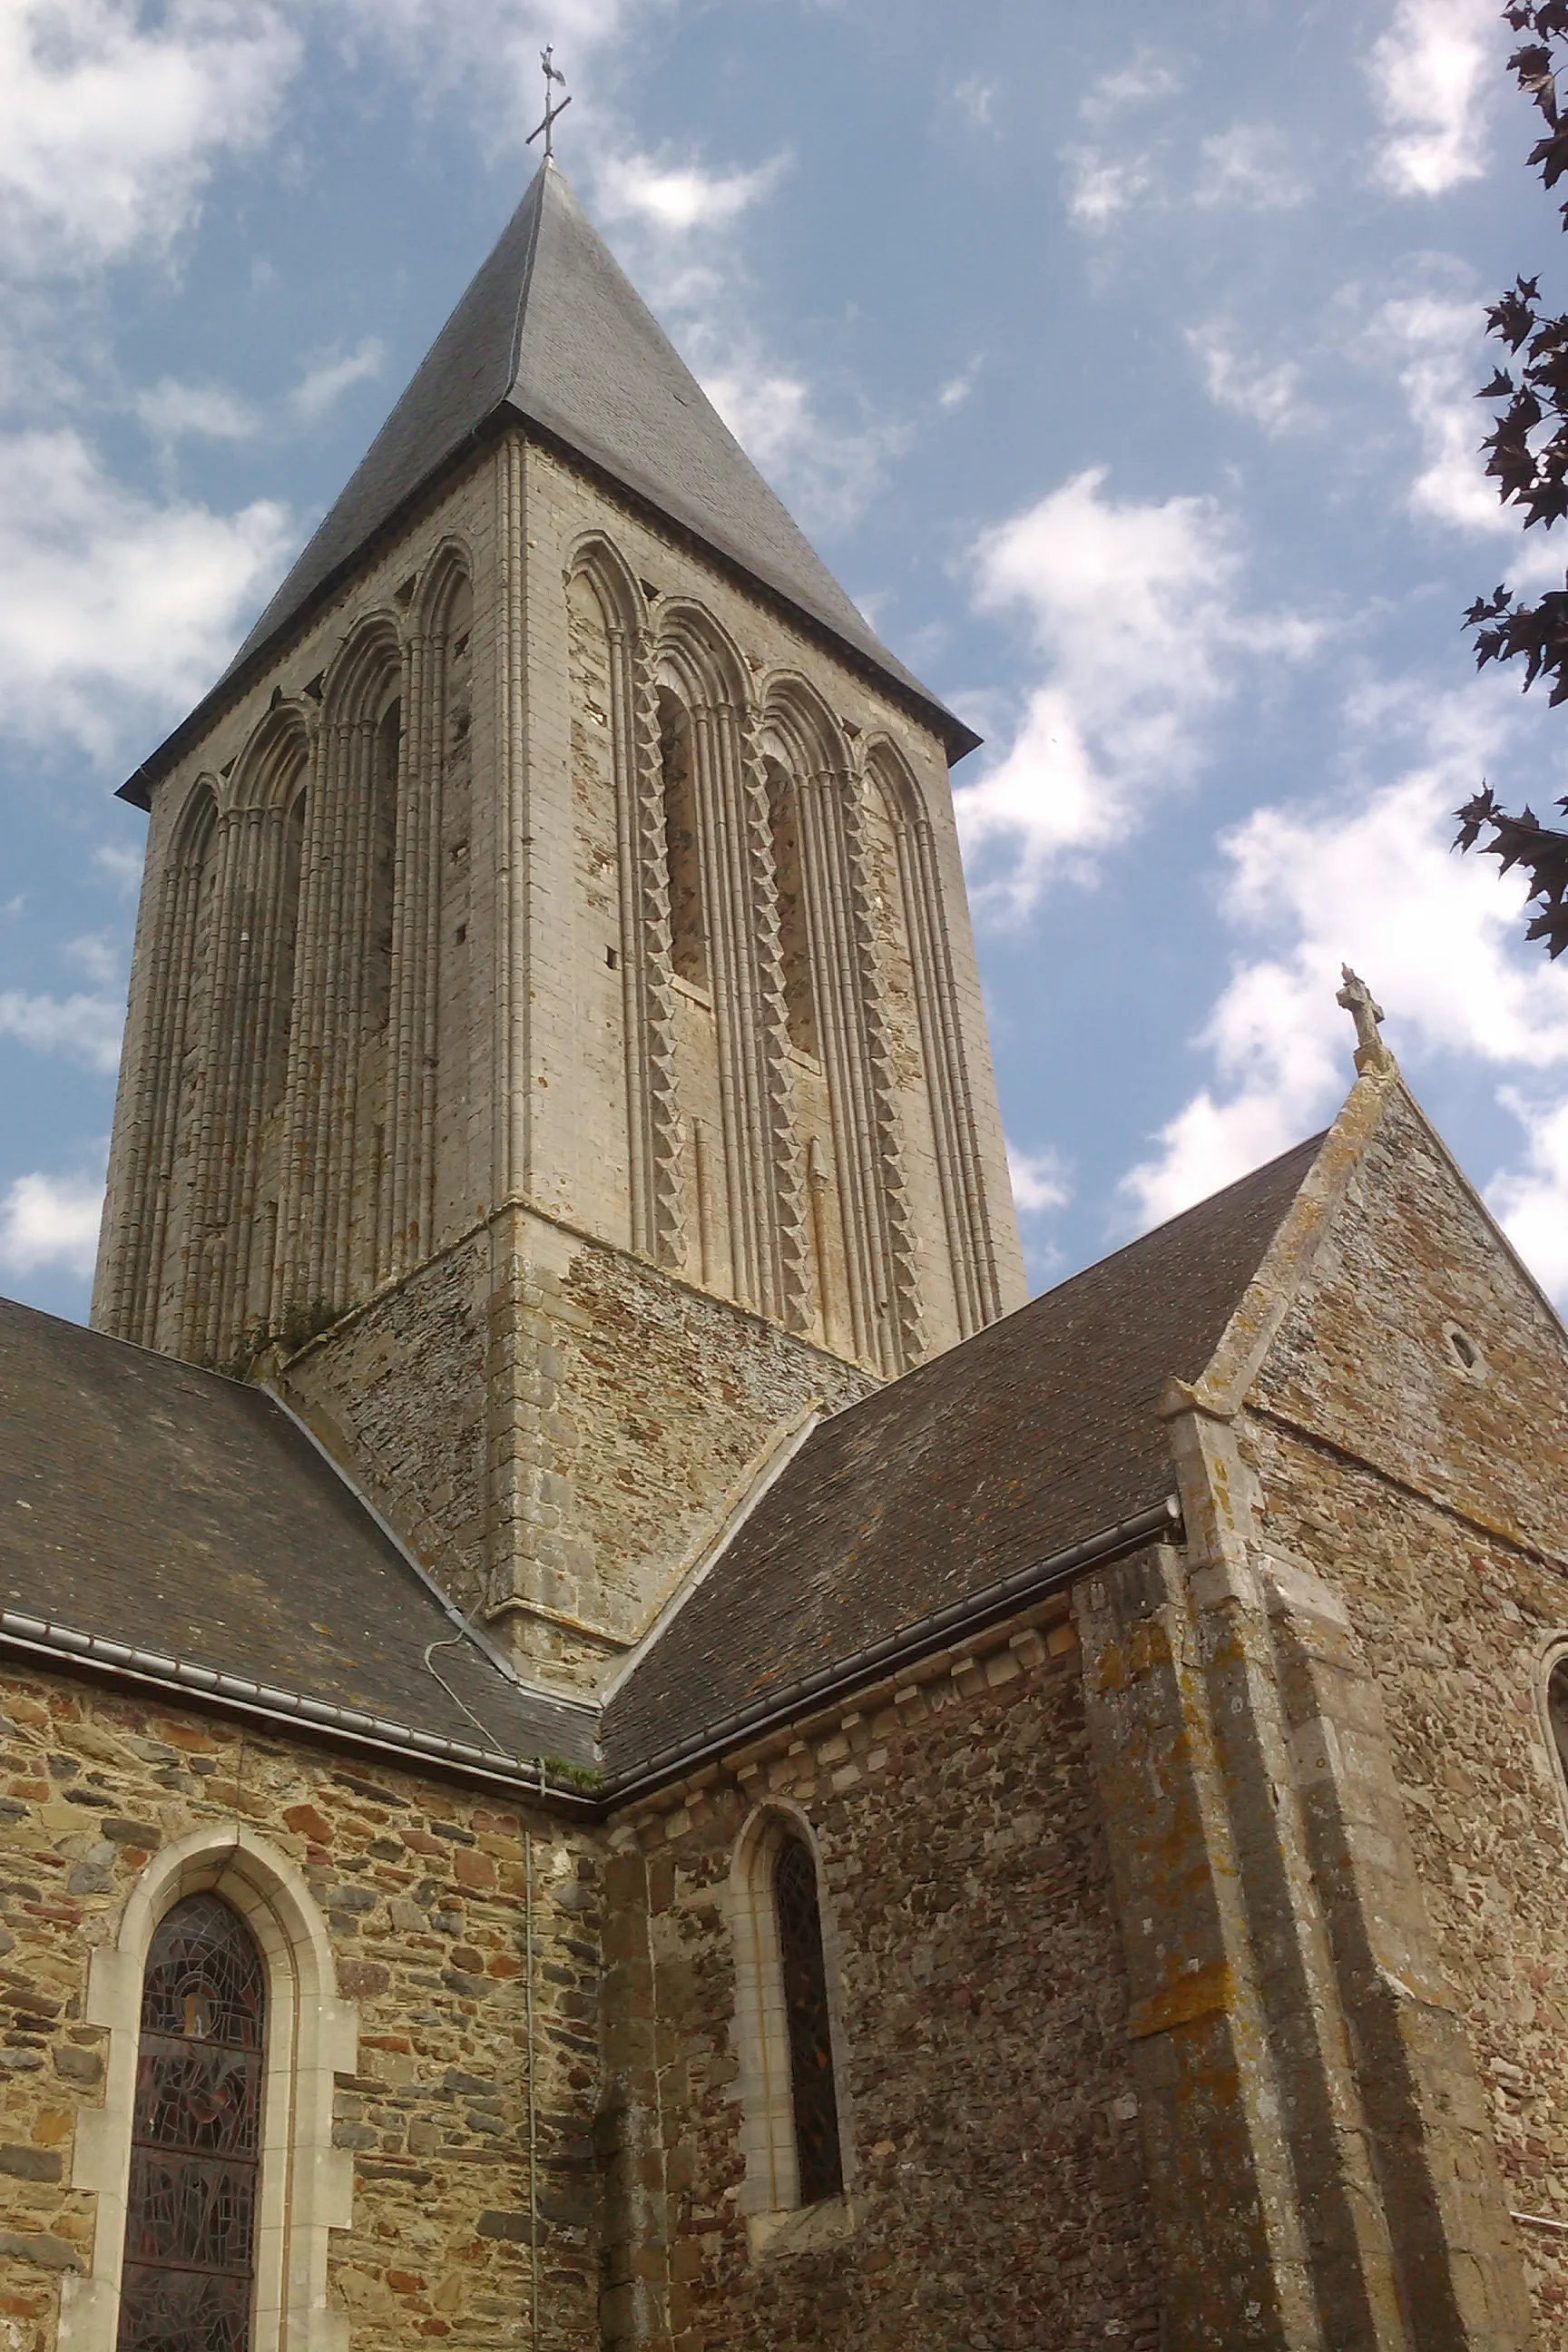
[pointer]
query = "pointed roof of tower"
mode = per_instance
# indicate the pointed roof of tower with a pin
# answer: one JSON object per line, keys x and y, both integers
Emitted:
{"x": 552, "y": 333}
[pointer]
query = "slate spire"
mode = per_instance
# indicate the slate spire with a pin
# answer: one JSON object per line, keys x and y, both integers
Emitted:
{"x": 552, "y": 333}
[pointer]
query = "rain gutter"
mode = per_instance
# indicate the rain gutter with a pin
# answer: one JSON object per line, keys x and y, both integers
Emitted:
{"x": 40, "y": 1637}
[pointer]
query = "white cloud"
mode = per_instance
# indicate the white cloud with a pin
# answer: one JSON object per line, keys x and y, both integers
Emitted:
{"x": 51, "y": 1220}
{"x": 112, "y": 606}
{"x": 85, "y": 1028}
{"x": 493, "y": 45}
{"x": 678, "y": 231}
{"x": 120, "y": 863}
{"x": 330, "y": 379}
{"x": 1040, "y": 1188}
{"x": 827, "y": 474}
{"x": 957, "y": 389}
{"x": 110, "y": 118}
{"x": 978, "y": 99}
{"x": 682, "y": 197}
{"x": 1440, "y": 340}
{"x": 1270, "y": 396}
{"x": 1101, "y": 185}
{"x": 1136, "y": 607}
{"x": 1437, "y": 345}
{"x": 102, "y": 958}
{"x": 1145, "y": 78}
{"x": 1246, "y": 166}
{"x": 1530, "y": 1204}
{"x": 1100, "y": 188}
{"x": 1039, "y": 1181}
{"x": 1430, "y": 74}
{"x": 170, "y": 410}
{"x": 1371, "y": 881}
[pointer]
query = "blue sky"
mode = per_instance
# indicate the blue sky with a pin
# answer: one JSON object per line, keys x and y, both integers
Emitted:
{"x": 1120, "y": 361}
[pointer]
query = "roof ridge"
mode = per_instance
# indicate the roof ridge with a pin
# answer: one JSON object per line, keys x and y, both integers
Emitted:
{"x": 514, "y": 357}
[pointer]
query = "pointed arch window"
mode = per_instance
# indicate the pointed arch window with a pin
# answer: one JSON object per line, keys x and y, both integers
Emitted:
{"x": 188, "y": 2283}
{"x": 818, "y": 2161}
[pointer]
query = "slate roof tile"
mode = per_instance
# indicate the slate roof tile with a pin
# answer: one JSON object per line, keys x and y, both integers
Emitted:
{"x": 146, "y": 1501}
{"x": 150, "y": 1502}
{"x": 1035, "y": 1434}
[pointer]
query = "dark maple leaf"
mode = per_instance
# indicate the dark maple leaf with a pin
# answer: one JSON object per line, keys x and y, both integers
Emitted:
{"x": 1529, "y": 466}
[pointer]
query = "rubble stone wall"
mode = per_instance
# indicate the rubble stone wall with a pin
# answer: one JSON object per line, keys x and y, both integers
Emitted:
{"x": 1432, "y": 1493}
{"x": 580, "y": 1419}
{"x": 996, "y": 2196}
{"x": 422, "y": 1886}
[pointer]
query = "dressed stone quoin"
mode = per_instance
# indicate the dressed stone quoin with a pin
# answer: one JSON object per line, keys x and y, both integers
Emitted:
{"x": 609, "y": 1740}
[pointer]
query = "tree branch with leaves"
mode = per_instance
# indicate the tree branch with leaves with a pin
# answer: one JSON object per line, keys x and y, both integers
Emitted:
{"x": 1527, "y": 457}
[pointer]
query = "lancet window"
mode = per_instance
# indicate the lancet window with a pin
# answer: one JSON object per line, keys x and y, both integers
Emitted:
{"x": 683, "y": 847}
{"x": 794, "y": 929}
{"x": 188, "y": 2281}
{"x": 383, "y": 863}
{"x": 436, "y": 964}
{"x": 819, "y": 2164}
{"x": 793, "y": 2102}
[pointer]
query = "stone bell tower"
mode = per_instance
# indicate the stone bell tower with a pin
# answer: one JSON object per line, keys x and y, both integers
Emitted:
{"x": 555, "y": 1059}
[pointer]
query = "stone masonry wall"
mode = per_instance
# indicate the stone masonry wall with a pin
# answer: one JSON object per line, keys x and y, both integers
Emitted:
{"x": 422, "y": 1886}
{"x": 996, "y": 2189}
{"x": 1367, "y": 1411}
{"x": 424, "y": 1469}
{"x": 550, "y": 1424}
{"x": 1452, "y": 1625}
{"x": 577, "y": 1163}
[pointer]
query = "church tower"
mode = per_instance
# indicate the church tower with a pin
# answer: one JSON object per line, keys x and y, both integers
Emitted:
{"x": 555, "y": 1059}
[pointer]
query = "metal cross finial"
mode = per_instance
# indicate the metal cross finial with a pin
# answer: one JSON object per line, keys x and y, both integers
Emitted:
{"x": 552, "y": 73}
{"x": 1371, "y": 1052}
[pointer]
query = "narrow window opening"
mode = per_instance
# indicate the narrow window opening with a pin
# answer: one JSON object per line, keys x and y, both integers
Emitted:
{"x": 789, "y": 888}
{"x": 188, "y": 2283}
{"x": 384, "y": 855}
{"x": 683, "y": 849}
{"x": 288, "y": 936}
{"x": 819, "y": 2159}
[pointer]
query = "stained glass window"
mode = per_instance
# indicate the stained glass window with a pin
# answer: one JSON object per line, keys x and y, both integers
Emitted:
{"x": 191, "y": 2222}
{"x": 816, "y": 2100}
